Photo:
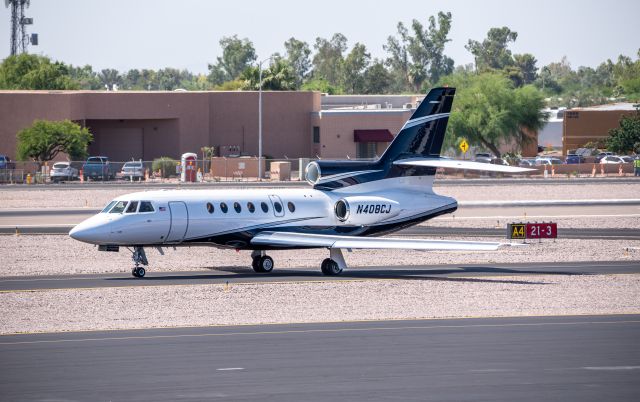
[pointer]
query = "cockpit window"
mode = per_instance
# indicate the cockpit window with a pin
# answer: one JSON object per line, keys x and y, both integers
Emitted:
{"x": 133, "y": 207}
{"x": 145, "y": 206}
{"x": 108, "y": 207}
{"x": 119, "y": 207}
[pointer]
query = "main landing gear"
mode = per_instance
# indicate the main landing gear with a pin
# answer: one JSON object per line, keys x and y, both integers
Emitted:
{"x": 335, "y": 264}
{"x": 139, "y": 257}
{"x": 261, "y": 262}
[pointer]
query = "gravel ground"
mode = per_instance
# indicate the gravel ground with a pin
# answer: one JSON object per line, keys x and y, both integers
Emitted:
{"x": 55, "y": 255}
{"x": 71, "y": 198}
{"x": 200, "y": 305}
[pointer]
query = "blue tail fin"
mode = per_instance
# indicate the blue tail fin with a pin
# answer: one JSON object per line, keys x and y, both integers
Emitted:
{"x": 420, "y": 137}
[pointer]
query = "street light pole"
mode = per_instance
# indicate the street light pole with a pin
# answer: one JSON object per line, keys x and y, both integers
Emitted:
{"x": 260, "y": 173}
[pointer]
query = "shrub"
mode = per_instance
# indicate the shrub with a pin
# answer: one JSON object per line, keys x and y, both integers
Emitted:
{"x": 166, "y": 165}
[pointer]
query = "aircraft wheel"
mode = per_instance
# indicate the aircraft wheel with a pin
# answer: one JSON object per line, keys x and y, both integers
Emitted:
{"x": 330, "y": 267}
{"x": 139, "y": 272}
{"x": 265, "y": 264}
{"x": 255, "y": 264}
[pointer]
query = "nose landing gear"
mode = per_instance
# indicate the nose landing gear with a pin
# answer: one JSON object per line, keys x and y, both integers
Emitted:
{"x": 139, "y": 257}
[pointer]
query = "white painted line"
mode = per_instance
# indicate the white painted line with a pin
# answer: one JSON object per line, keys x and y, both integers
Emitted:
{"x": 613, "y": 368}
{"x": 230, "y": 369}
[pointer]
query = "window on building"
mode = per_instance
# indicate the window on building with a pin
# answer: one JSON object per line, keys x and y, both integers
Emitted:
{"x": 366, "y": 150}
{"x": 316, "y": 135}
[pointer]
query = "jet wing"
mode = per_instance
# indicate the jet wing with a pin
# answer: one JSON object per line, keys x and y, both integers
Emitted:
{"x": 457, "y": 164}
{"x": 289, "y": 239}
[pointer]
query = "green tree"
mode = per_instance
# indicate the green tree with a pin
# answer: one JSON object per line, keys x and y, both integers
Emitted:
{"x": 321, "y": 85}
{"x": 493, "y": 52}
{"x": 109, "y": 77}
{"x": 279, "y": 76}
{"x": 85, "y": 77}
{"x": 297, "y": 55}
{"x": 526, "y": 63}
{"x": 237, "y": 55}
{"x": 419, "y": 59}
{"x": 625, "y": 139}
{"x": 377, "y": 79}
{"x": 353, "y": 69}
{"x": 30, "y": 71}
{"x": 44, "y": 140}
{"x": 489, "y": 112}
{"x": 328, "y": 60}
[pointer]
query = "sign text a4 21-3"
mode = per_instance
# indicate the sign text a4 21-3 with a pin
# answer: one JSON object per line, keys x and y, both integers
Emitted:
{"x": 532, "y": 230}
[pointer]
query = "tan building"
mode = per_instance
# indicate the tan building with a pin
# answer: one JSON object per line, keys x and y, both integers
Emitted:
{"x": 590, "y": 124}
{"x": 147, "y": 125}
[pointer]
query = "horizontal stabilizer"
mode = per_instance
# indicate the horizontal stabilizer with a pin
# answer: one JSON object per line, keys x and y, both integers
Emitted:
{"x": 457, "y": 164}
{"x": 288, "y": 239}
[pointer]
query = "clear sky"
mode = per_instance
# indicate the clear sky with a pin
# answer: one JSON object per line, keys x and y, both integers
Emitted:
{"x": 127, "y": 34}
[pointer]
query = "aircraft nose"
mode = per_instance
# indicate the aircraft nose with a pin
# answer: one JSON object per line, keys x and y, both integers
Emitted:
{"x": 91, "y": 232}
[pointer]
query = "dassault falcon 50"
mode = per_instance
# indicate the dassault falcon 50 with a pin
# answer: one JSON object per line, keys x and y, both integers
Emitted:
{"x": 349, "y": 205}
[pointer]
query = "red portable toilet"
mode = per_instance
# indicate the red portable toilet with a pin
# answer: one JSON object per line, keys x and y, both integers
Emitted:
{"x": 189, "y": 170}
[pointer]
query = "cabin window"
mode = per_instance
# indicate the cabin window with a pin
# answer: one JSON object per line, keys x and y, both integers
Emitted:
{"x": 108, "y": 207}
{"x": 251, "y": 207}
{"x": 119, "y": 207}
{"x": 145, "y": 206}
{"x": 210, "y": 207}
{"x": 223, "y": 207}
{"x": 133, "y": 207}
{"x": 264, "y": 206}
{"x": 292, "y": 208}
{"x": 237, "y": 207}
{"x": 277, "y": 206}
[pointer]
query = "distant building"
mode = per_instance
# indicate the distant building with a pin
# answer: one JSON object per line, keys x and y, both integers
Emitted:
{"x": 589, "y": 124}
{"x": 551, "y": 134}
{"x": 147, "y": 125}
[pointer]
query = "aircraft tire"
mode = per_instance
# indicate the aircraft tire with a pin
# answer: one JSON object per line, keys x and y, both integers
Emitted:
{"x": 134, "y": 272}
{"x": 330, "y": 267}
{"x": 255, "y": 264}
{"x": 266, "y": 264}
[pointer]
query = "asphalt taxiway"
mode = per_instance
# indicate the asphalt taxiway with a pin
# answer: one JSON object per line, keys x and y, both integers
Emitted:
{"x": 571, "y": 358}
{"x": 234, "y": 275}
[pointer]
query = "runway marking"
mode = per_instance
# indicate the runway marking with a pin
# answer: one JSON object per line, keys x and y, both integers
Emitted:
{"x": 311, "y": 331}
{"x": 607, "y": 368}
{"x": 230, "y": 369}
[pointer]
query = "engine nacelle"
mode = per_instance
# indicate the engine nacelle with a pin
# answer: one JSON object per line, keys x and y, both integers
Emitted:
{"x": 364, "y": 210}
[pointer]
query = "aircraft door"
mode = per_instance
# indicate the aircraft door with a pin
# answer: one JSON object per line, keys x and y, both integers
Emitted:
{"x": 276, "y": 205}
{"x": 179, "y": 221}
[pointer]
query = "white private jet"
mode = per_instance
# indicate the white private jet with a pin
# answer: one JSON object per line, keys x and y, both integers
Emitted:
{"x": 348, "y": 203}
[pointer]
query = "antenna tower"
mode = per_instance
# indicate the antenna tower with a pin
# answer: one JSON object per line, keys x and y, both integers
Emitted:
{"x": 20, "y": 40}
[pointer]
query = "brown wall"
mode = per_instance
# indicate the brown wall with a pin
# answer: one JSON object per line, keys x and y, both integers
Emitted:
{"x": 169, "y": 123}
{"x": 588, "y": 125}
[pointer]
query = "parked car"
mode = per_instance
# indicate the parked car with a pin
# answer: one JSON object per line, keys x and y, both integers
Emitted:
{"x": 526, "y": 163}
{"x": 63, "y": 171}
{"x": 97, "y": 167}
{"x": 574, "y": 159}
{"x": 602, "y": 155}
{"x": 627, "y": 159}
{"x": 483, "y": 158}
{"x": 613, "y": 159}
{"x": 132, "y": 171}
{"x": 5, "y": 162}
{"x": 548, "y": 161}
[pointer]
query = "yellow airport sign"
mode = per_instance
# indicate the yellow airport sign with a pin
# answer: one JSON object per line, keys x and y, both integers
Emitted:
{"x": 517, "y": 231}
{"x": 464, "y": 146}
